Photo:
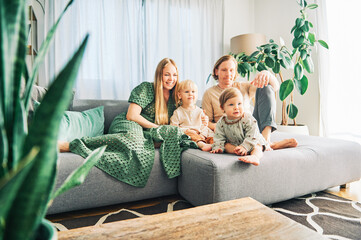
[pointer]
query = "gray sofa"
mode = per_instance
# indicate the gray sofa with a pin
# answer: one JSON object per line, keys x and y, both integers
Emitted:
{"x": 316, "y": 164}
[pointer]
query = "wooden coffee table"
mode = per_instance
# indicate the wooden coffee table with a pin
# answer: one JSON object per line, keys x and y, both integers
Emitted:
{"x": 236, "y": 219}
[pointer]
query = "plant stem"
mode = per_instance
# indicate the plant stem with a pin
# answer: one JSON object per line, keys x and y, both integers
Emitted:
{"x": 284, "y": 105}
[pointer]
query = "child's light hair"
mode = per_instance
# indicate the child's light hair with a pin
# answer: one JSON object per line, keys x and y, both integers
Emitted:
{"x": 183, "y": 85}
{"x": 161, "y": 109}
{"x": 229, "y": 93}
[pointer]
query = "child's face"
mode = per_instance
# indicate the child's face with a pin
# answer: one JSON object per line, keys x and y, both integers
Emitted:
{"x": 233, "y": 107}
{"x": 188, "y": 95}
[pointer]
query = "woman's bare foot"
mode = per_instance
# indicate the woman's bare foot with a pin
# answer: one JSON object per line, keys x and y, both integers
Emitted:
{"x": 285, "y": 143}
{"x": 204, "y": 146}
{"x": 252, "y": 159}
{"x": 63, "y": 146}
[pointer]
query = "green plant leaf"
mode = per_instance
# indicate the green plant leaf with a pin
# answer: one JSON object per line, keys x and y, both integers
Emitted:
{"x": 41, "y": 55}
{"x": 292, "y": 111}
{"x": 298, "y": 32}
{"x": 33, "y": 196}
{"x": 305, "y": 27}
{"x": 302, "y": 85}
{"x": 298, "y": 71}
{"x": 209, "y": 76}
{"x": 285, "y": 89}
{"x": 260, "y": 58}
{"x": 247, "y": 67}
{"x": 312, "y": 6}
{"x": 312, "y": 38}
{"x": 270, "y": 62}
{"x": 277, "y": 67}
{"x": 323, "y": 43}
{"x": 254, "y": 54}
{"x": 308, "y": 64}
{"x": 298, "y": 41}
{"x": 303, "y": 54}
{"x": 261, "y": 67}
{"x": 78, "y": 176}
{"x": 10, "y": 184}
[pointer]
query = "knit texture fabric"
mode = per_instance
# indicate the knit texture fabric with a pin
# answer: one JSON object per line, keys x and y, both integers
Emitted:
{"x": 129, "y": 155}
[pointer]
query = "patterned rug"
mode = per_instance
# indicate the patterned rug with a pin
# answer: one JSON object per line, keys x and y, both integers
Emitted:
{"x": 332, "y": 216}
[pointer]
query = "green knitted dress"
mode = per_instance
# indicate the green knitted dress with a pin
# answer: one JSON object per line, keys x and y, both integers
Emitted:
{"x": 129, "y": 155}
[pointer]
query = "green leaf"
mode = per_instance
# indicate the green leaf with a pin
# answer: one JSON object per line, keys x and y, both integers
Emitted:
{"x": 298, "y": 32}
{"x": 312, "y": 6}
{"x": 298, "y": 41}
{"x": 303, "y": 54}
{"x": 209, "y": 76}
{"x": 260, "y": 58}
{"x": 299, "y": 22}
{"x": 323, "y": 43}
{"x": 305, "y": 27}
{"x": 298, "y": 71}
{"x": 78, "y": 176}
{"x": 277, "y": 67}
{"x": 34, "y": 194}
{"x": 308, "y": 64}
{"x": 270, "y": 62}
{"x": 41, "y": 56}
{"x": 286, "y": 88}
{"x": 312, "y": 38}
{"x": 11, "y": 182}
{"x": 247, "y": 67}
{"x": 261, "y": 67}
{"x": 302, "y": 85}
{"x": 294, "y": 28}
{"x": 254, "y": 54}
{"x": 292, "y": 111}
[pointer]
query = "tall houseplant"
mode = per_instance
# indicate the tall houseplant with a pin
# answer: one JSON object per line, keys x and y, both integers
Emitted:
{"x": 28, "y": 156}
{"x": 272, "y": 56}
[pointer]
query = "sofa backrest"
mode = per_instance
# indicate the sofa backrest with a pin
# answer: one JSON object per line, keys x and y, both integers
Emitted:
{"x": 112, "y": 108}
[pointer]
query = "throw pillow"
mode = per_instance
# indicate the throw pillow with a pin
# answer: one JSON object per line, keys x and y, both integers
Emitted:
{"x": 89, "y": 123}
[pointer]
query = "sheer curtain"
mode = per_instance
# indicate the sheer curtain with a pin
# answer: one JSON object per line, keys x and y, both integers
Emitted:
{"x": 189, "y": 32}
{"x": 111, "y": 64}
{"x": 342, "y": 87}
{"x": 129, "y": 37}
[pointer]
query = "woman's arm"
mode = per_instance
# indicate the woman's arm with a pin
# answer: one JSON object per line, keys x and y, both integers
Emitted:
{"x": 133, "y": 114}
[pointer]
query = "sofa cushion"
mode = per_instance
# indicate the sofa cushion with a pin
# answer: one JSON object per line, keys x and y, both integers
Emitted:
{"x": 89, "y": 123}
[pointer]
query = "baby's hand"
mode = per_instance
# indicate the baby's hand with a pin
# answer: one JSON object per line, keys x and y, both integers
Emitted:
{"x": 217, "y": 151}
{"x": 204, "y": 118}
{"x": 240, "y": 150}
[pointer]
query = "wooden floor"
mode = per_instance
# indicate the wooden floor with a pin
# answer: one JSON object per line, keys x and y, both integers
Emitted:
{"x": 352, "y": 193}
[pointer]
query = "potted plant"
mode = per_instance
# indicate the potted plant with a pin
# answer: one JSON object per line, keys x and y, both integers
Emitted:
{"x": 272, "y": 56}
{"x": 29, "y": 156}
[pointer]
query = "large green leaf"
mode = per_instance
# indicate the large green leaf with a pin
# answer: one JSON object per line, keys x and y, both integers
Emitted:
{"x": 270, "y": 62}
{"x": 277, "y": 67}
{"x": 292, "y": 111}
{"x": 10, "y": 184}
{"x": 30, "y": 204}
{"x": 41, "y": 55}
{"x": 302, "y": 85}
{"x": 77, "y": 177}
{"x": 286, "y": 88}
{"x": 308, "y": 64}
{"x": 298, "y": 70}
{"x": 298, "y": 41}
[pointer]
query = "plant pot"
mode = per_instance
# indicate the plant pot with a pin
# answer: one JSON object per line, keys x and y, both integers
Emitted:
{"x": 298, "y": 129}
{"x": 46, "y": 231}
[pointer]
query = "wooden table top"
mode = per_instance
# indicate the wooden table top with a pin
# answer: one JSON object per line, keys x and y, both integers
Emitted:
{"x": 236, "y": 219}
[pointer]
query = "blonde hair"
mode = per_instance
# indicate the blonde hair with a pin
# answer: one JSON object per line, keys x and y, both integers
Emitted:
{"x": 220, "y": 61}
{"x": 229, "y": 93}
{"x": 161, "y": 109}
{"x": 181, "y": 86}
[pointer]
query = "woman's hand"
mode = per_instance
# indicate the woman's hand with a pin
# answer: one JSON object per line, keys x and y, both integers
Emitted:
{"x": 240, "y": 150}
{"x": 217, "y": 151}
{"x": 204, "y": 118}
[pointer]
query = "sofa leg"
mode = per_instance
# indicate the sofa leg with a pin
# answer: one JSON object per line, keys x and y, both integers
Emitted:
{"x": 345, "y": 186}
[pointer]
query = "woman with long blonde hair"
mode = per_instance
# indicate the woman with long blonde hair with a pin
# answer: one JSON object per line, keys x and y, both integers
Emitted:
{"x": 134, "y": 134}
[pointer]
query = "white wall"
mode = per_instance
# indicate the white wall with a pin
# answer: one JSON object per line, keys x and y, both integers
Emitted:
{"x": 275, "y": 18}
{"x": 238, "y": 19}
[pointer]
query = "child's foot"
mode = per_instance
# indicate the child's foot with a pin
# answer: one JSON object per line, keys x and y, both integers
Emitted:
{"x": 207, "y": 147}
{"x": 252, "y": 159}
{"x": 285, "y": 143}
{"x": 63, "y": 146}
